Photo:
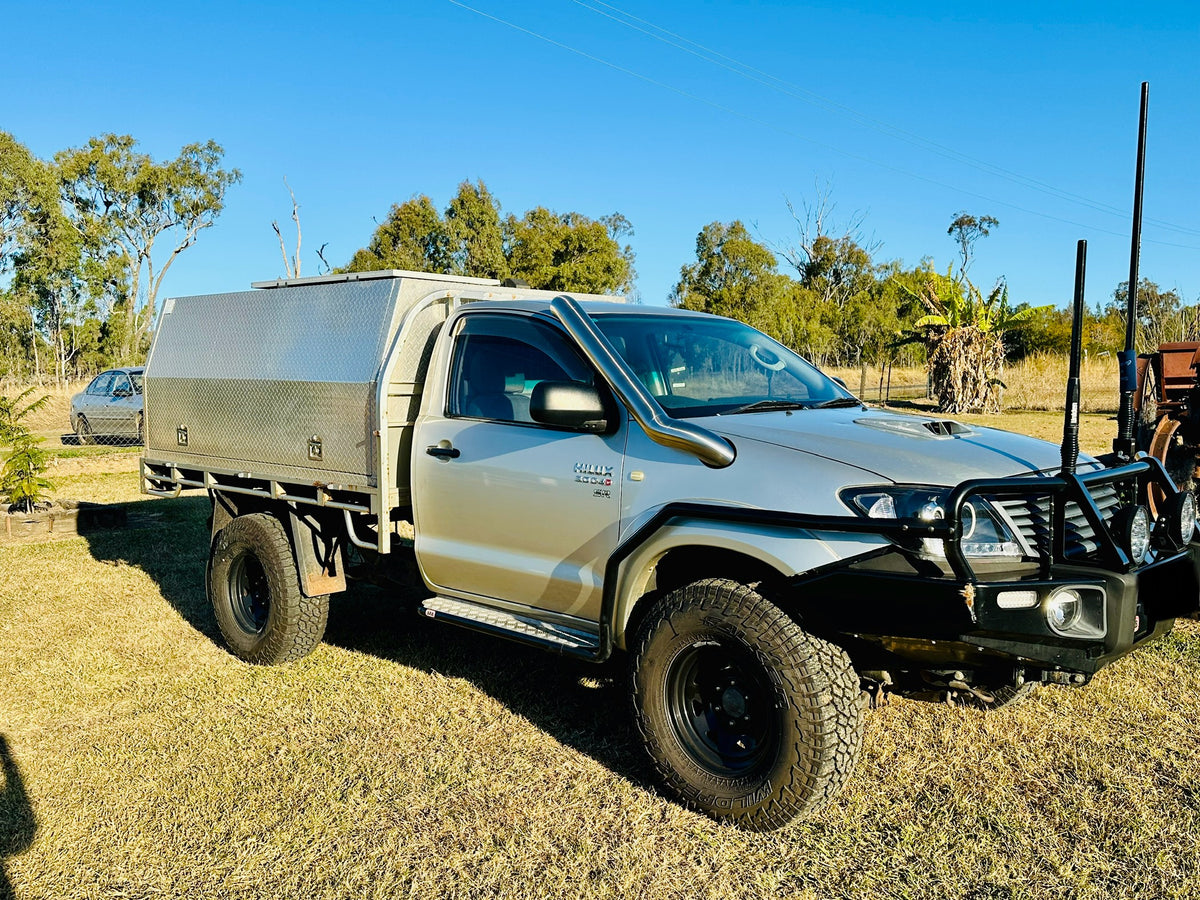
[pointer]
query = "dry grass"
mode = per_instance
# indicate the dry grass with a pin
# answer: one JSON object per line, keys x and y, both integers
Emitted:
{"x": 406, "y": 758}
{"x": 1034, "y": 383}
{"x": 1040, "y": 382}
{"x": 55, "y": 415}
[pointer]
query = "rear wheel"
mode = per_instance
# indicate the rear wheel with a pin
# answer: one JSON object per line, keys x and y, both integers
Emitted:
{"x": 256, "y": 596}
{"x": 746, "y": 717}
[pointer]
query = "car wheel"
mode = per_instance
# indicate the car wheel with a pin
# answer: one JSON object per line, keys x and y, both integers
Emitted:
{"x": 83, "y": 431}
{"x": 141, "y": 429}
{"x": 256, "y": 596}
{"x": 746, "y": 717}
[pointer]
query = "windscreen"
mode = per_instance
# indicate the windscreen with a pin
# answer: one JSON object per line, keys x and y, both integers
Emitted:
{"x": 703, "y": 367}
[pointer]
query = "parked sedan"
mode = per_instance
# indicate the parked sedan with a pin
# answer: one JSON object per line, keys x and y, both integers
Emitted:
{"x": 110, "y": 407}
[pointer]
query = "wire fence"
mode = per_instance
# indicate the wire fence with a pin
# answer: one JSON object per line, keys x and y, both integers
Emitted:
{"x": 885, "y": 385}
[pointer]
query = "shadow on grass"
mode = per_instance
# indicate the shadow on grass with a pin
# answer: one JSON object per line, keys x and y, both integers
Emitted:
{"x": 17, "y": 823}
{"x": 579, "y": 704}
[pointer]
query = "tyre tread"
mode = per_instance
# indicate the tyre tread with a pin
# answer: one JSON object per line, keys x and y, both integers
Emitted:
{"x": 296, "y": 623}
{"x": 818, "y": 679}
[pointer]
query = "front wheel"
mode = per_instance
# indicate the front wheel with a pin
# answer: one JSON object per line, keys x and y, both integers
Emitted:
{"x": 746, "y": 717}
{"x": 83, "y": 430}
{"x": 256, "y": 596}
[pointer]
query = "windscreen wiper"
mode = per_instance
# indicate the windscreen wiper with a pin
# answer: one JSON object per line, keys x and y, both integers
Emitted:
{"x": 766, "y": 406}
{"x": 838, "y": 403}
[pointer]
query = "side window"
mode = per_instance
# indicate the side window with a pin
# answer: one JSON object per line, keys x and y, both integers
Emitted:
{"x": 500, "y": 359}
{"x": 101, "y": 384}
{"x": 121, "y": 383}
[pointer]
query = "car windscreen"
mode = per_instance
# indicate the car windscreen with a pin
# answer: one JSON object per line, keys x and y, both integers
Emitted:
{"x": 701, "y": 366}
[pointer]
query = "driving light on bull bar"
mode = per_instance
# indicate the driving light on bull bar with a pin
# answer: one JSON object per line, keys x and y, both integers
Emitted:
{"x": 1181, "y": 518}
{"x": 1131, "y": 529}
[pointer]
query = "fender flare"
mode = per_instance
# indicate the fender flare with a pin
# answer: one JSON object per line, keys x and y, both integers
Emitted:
{"x": 686, "y": 524}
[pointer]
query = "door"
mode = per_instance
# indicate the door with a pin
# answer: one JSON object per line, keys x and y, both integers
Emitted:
{"x": 122, "y": 407}
{"x": 94, "y": 405}
{"x": 506, "y": 508}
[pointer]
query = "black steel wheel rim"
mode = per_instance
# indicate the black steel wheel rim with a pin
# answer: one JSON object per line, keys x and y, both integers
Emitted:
{"x": 249, "y": 594}
{"x": 721, "y": 706}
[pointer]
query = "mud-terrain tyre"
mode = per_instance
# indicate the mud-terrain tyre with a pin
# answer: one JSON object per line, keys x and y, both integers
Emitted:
{"x": 255, "y": 593}
{"x": 746, "y": 717}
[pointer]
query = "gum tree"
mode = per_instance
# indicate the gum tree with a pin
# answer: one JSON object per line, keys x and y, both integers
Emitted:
{"x": 145, "y": 213}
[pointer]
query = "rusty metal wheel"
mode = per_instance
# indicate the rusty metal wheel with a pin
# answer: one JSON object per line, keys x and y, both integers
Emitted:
{"x": 1179, "y": 459}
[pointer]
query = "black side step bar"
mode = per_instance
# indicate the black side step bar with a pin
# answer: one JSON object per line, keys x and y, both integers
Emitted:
{"x": 525, "y": 629}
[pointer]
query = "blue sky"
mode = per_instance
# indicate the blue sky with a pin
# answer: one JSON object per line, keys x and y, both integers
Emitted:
{"x": 673, "y": 114}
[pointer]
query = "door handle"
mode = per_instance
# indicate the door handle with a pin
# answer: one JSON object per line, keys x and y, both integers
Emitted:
{"x": 443, "y": 452}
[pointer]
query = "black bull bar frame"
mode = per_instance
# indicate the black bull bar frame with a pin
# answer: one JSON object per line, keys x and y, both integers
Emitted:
{"x": 1063, "y": 488}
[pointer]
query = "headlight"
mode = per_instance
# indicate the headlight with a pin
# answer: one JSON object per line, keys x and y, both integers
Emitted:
{"x": 984, "y": 533}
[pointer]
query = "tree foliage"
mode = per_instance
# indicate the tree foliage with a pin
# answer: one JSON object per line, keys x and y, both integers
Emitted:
{"x": 548, "y": 250}
{"x": 733, "y": 276}
{"x": 966, "y": 229}
{"x": 1162, "y": 316}
{"x": 839, "y": 311}
{"x": 122, "y": 203}
{"x": 963, "y": 331}
{"x": 87, "y": 239}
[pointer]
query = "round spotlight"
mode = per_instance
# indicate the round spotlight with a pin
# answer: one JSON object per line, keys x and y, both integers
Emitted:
{"x": 1137, "y": 534}
{"x": 1063, "y": 610}
{"x": 1181, "y": 518}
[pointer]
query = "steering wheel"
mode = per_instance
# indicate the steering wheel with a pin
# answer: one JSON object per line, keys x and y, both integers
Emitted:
{"x": 775, "y": 366}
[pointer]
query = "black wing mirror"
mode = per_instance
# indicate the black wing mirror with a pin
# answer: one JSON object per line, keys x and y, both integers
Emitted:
{"x": 568, "y": 404}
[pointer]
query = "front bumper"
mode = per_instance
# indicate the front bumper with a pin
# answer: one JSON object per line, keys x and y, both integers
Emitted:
{"x": 905, "y": 616}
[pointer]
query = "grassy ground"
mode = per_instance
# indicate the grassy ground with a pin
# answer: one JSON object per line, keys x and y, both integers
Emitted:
{"x": 406, "y": 758}
{"x": 1034, "y": 383}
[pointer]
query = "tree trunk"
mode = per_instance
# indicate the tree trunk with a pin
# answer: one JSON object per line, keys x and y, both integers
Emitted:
{"x": 33, "y": 336}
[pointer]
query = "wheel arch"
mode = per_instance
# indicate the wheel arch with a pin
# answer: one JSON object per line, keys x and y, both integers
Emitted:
{"x": 316, "y": 537}
{"x": 679, "y": 554}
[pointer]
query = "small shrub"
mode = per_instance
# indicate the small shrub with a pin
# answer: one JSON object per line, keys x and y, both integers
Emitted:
{"x": 21, "y": 481}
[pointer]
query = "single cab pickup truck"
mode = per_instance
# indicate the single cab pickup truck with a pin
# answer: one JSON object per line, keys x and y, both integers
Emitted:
{"x": 671, "y": 488}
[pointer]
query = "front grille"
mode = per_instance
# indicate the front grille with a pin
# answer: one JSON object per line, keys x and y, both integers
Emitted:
{"x": 1030, "y": 516}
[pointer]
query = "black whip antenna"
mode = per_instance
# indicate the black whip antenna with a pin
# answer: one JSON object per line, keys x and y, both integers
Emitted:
{"x": 1124, "y": 445}
{"x": 1070, "y": 444}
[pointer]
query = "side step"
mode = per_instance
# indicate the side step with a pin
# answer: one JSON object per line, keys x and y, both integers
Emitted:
{"x": 526, "y": 629}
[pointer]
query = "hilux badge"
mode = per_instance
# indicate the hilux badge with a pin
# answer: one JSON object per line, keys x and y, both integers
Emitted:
{"x": 593, "y": 473}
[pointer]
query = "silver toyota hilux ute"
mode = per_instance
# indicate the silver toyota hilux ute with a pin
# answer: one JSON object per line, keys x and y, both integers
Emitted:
{"x": 671, "y": 488}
